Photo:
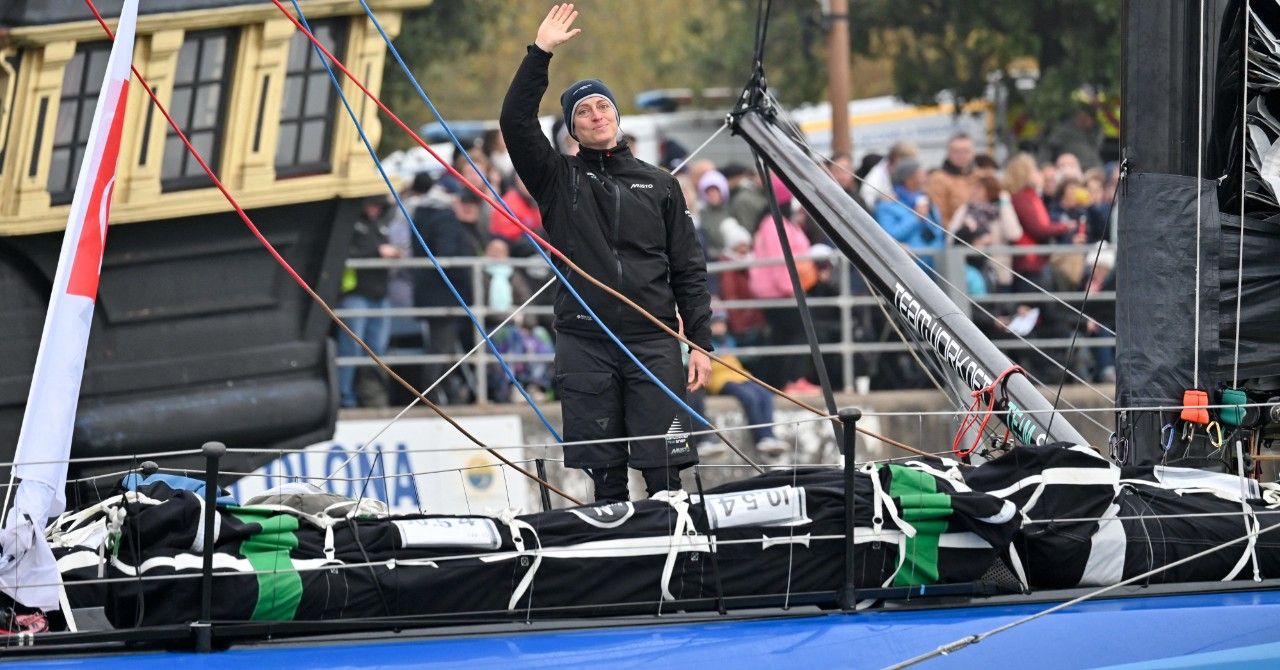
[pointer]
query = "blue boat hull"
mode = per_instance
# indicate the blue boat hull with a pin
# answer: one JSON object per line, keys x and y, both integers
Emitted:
{"x": 1236, "y": 629}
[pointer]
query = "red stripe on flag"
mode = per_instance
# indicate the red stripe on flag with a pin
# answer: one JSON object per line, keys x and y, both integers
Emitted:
{"x": 87, "y": 265}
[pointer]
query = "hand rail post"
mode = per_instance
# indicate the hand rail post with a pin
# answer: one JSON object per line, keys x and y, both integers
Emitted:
{"x": 848, "y": 592}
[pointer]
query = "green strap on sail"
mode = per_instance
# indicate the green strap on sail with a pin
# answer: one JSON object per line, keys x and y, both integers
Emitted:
{"x": 279, "y": 584}
{"x": 929, "y": 512}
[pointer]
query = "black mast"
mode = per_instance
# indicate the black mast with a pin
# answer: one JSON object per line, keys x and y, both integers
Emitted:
{"x": 917, "y": 303}
{"x": 1165, "y": 111}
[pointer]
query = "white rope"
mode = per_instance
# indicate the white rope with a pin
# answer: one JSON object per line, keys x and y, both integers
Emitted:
{"x": 1249, "y": 517}
{"x": 1195, "y": 357}
{"x": 1244, "y": 156}
{"x": 964, "y": 642}
{"x": 457, "y": 364}
{"x": 689, "y": 158}
{"x": 1044, "y": 354}
{"x": 941, "y": 228}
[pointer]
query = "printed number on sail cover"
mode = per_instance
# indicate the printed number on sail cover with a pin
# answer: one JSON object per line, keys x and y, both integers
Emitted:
{"x": 455, "y": 532}
{"x": 781, "y": 506}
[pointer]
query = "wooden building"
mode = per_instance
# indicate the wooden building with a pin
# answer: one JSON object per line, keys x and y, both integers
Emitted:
{"x": 198, "y": 335}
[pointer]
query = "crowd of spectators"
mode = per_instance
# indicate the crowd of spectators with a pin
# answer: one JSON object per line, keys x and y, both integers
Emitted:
{"x": 968, "y": 200}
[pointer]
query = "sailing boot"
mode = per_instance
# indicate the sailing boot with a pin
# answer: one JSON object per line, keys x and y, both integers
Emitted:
{"x": 661, "y": 479}
{"x": 611, "y": 483}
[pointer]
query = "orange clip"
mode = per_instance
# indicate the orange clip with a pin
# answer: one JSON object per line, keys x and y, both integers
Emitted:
{"x": 1195, "y": 406}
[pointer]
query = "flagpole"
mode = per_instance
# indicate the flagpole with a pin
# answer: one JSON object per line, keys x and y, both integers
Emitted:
{"x": 43, "y": 453}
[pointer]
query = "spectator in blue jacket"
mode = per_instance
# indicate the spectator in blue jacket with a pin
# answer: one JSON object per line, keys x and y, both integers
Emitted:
{"x": 909, "y": 216}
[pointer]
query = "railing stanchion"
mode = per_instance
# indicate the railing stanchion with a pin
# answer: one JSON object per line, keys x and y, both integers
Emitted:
{"x": 541, "y": 465}
{"x": 711, "y": 540}
{"x": 213, "y": 452}
{"x": 849, "y": 419}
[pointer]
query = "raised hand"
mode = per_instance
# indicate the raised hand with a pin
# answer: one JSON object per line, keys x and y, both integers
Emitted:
{"x": 555, "y": 29}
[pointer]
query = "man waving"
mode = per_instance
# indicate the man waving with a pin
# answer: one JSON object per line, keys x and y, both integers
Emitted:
{"x": 625, "y": 222}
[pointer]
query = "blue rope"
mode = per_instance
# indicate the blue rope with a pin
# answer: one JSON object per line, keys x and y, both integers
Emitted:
{"x": 498, "y": 198}
{"x": 418, "y": 235}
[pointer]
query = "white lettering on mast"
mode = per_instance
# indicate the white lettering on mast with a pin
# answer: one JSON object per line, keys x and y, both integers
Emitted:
{"x": 931, "y": 329}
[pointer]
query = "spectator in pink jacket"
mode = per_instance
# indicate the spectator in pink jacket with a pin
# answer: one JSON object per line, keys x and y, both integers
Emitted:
{"x": 773, "y": 281}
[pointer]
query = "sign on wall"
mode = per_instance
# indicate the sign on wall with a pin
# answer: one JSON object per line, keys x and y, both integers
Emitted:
{"x": 418, "y": 464}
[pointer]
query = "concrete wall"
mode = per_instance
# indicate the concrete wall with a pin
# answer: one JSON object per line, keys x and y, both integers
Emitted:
{"x": 813, "y": 441}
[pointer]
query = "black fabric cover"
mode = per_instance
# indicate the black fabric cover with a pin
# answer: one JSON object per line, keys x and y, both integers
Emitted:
{"x": 1025, "y": 507}
{"x": 1152, "y": 543}
{"x": 604, "y": 555}
{"x": 1054, "y": 554}
{"x": 1155, "y": 306}
{"x": 1155, "y": 284}
{"x": 1259, "y": 304}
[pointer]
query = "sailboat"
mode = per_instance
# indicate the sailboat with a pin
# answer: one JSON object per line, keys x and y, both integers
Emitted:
{"x": 1049, "y": 551}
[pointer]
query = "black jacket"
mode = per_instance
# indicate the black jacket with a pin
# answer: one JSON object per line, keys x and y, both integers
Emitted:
{"x": 622, "y": 220}
{"x": 447, "y": 237}
{"x": 366, "y": 239}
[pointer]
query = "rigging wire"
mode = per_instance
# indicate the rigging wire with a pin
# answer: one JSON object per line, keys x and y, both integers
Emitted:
{"x": 293, "y": 274}
{"x": 417, "y": 234}
{"x": 1080, "y": 312}
{"x": 956, "y": 394}
{"x": 457, "y": 364}
{"x": 547, "y": 245}
{"x": 284, "y": 264}
{"x": 1020, "y": 338}
{"x": 762, "y": 33}
{"x": 934, "y": 365}
{"x": 1195, "y": 356}
{"x": 1097, "y": 254}
{"x": 479, "y": 345}
{"x": 1083, "y": 411}
{"x": 970, "y": 640}
{"x": 687, "y": 159}
{"x": 806, "y": 317}
{"x": 1244, "y": 152}
{"x": 952, "y": 236}
{"x": 803, "y": 142}
{"x": 537, "y": 241}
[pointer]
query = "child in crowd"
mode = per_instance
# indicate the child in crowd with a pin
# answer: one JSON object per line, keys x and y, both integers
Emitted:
{"x": 522, "y": 336}
{"x": 757, "y": 403}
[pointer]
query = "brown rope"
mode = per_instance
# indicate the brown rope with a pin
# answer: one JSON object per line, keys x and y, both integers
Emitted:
{"x": 315, "y": 296}
{"x": 569, "y": 263}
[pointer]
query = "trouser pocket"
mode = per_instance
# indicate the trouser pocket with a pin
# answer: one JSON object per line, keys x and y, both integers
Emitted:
{"x": 592, "y": 410}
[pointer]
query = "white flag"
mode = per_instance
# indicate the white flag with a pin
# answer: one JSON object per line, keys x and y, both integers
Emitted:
{"x": 27, "y": 569}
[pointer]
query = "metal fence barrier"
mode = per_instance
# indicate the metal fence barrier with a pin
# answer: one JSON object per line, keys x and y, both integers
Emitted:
{"x": 853, "y": 303}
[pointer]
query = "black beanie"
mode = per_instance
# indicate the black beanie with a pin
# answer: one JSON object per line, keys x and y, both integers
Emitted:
{"x": 577, "y": 92}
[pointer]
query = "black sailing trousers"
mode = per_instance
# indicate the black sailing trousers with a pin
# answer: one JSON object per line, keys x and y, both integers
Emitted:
{"x": 604, "y": 395}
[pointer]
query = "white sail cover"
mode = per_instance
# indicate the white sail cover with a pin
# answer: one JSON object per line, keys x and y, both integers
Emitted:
{"x": 27, "y": 569}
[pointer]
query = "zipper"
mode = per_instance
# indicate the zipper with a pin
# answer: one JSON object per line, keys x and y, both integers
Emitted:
{"x": 616, "y": 224}
{"x": 573, "y": 187}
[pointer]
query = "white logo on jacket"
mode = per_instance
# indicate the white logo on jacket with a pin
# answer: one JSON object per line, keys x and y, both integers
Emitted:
{"x": 642, "y": 186}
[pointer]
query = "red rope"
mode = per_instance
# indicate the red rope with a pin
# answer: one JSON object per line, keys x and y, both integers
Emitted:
{"x": 484, "y": 196}
{"x": 497, "y": 208}
{"x": 985, "y": 394}
{"x": 284, "y": 264}
{"x": 501, "y": 211}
